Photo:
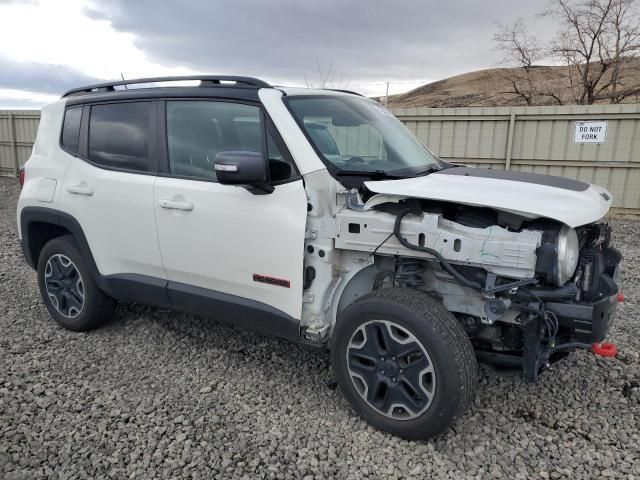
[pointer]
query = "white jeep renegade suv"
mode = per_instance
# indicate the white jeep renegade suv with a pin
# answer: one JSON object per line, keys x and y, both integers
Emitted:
{"x": 314, "y": 215}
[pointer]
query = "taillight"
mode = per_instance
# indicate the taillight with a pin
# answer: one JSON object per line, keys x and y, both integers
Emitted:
{"x": 21, "y": 177}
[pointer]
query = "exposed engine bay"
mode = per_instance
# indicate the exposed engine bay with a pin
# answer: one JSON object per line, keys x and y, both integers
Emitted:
{"x": 526, "y": 290}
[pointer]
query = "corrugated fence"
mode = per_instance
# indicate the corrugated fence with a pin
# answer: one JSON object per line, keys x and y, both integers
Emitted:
{"x": 531, "y": 139}
{"x": 540, "y": 140}
{"x": 18, "y": 130}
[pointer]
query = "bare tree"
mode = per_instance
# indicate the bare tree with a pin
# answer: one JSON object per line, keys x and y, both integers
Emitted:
{"x": 325, "y": 78}
{"x": 518, "y": 45}
{"x": 596, "y": 39}
{"x": 622, "y": 43}
{"x": 580, "y": 44}
{"x": 523, "y": 50}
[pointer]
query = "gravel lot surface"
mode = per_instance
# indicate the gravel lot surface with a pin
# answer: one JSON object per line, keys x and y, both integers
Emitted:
{"x": 157, "y": 394}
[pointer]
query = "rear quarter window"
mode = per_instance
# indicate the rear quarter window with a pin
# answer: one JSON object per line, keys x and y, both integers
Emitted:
{"x": 71, "y": 129}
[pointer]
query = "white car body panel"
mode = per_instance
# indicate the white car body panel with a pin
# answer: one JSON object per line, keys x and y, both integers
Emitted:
{"x": 41, "y": 189}
{"x": 232, "y": 234}
{"x": 528, "y": 199}
{"x": 48, "y": 163}
{"x": 117, "y": 218}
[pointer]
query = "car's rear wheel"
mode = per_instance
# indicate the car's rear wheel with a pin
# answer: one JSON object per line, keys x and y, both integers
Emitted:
{"x": 67, "y": 288}
{"x": 404, "y": 362}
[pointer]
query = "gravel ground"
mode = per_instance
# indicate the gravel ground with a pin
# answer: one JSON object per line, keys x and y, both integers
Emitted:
{"x": 157, "y": 394}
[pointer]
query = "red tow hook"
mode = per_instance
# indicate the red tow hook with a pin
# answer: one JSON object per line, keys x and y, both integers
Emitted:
{"x": 607, "y": 349}
{"x": 604, "y": 349}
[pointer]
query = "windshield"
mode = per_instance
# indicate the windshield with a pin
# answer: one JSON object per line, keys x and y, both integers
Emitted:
{"x": 359, "y": 135}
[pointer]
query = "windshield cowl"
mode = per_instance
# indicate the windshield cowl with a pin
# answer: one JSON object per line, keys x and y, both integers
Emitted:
{"x": 375, "y": 174}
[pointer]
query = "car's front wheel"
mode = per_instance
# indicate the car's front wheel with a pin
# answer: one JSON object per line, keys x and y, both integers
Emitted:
{"x": 68, "y": 291}
{"x": 404, "y": 362}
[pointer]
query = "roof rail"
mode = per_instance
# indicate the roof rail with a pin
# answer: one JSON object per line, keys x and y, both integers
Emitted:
{"x": 205, "y": 81}
{"x": 344, "y": 91}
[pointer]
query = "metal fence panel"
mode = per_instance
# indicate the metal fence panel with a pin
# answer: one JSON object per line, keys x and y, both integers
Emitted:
{"x": 540, "y": 140}
{"x": 18, "y": 130}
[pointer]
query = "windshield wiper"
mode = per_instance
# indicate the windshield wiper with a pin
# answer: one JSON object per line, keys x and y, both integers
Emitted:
{"x": 427, "y": 171}
{"x": 374, "y": 174}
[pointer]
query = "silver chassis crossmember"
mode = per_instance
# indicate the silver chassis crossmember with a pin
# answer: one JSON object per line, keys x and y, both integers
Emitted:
{"x": 495, "y": 249}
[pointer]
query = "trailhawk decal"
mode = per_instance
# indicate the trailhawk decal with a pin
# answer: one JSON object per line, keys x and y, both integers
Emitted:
{"x": 514, "y": 176}
{"x": 278, "y": 282}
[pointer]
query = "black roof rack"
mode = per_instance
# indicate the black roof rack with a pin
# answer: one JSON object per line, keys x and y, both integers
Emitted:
{"x": 344, "y": 91}
{"x": 205, "y": 81}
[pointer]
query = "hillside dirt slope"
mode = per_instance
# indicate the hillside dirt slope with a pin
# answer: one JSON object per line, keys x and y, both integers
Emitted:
{"x": 493, "y": 87}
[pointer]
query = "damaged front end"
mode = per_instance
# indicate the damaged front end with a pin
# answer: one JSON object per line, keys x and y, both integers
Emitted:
{"x": 527, "y": 291}
{"x": 578, "y": 314}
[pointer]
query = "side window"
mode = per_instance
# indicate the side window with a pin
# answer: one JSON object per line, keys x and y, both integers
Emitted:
{"x": 119, "y": 135}
{"x": 71, "y": 128}
{"x": 281, "y": 164}
{"x": 198, "y": 130}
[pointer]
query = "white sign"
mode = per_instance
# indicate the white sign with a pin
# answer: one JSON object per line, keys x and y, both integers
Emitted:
{"x": 590, "y": 132}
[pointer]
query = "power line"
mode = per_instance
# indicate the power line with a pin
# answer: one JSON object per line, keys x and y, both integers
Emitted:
{"x": 391, "y": 82}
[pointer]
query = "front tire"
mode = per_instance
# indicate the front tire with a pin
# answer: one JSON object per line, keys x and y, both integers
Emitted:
{"x": 68, "y": 291}
{"x": 404, "y": 363}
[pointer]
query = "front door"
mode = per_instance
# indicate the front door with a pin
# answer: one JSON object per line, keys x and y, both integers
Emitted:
{"x": 223, "y": 241}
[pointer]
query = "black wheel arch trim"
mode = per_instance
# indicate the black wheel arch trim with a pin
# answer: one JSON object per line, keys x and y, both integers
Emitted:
{"x": 30, "y": 215}
{"x": 114, "y": 285}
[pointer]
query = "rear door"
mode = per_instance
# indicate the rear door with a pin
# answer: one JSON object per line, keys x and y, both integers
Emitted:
{"x": 108, "y": 187}
{"x": 221, "y": 240}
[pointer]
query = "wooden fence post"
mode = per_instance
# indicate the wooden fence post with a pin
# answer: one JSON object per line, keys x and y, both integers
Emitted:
{"x": 512, "y": 124}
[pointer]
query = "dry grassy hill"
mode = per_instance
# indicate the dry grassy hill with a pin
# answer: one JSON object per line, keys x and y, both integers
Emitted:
{"x": 492, "y": 87}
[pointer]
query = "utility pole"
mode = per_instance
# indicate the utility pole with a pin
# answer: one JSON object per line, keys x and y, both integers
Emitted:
{"x": 386, "y": 97}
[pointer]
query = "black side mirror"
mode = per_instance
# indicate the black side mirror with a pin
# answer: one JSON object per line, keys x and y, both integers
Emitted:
{"x": 243, "y": 168}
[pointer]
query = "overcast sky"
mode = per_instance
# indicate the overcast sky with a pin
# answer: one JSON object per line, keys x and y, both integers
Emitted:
{"x": 48, "y": 46}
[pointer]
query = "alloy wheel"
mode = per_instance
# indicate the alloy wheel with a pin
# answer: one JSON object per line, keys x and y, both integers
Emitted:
{"x": 64, "y": 285}
{"x": 391, "y": 370}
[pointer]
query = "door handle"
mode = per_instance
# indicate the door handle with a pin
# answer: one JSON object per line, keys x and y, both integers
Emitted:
{"x": 80, "y": 189}
{"x": 175, "y": 205}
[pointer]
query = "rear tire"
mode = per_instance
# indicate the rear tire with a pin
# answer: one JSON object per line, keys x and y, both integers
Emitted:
{"x": 67, "y": 288}
{"x": 404, "y": 363}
